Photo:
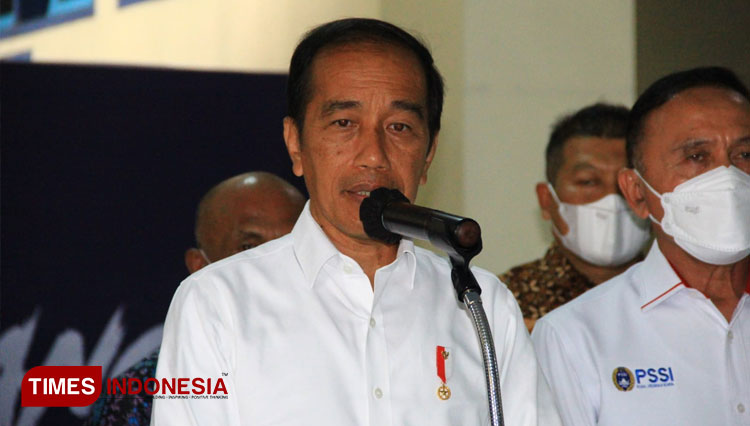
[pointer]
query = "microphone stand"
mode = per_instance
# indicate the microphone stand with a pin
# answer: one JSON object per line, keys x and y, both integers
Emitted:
{"x": 468, "y": 291}
{"x": 461, "y": 239}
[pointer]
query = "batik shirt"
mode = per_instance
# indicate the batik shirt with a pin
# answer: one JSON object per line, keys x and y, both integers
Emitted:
{"x": 126, "y": 409}
{"x": 544, "y": 284}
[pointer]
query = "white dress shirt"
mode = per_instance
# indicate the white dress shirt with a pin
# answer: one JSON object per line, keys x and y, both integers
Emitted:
{"x": 300, "y": 338}
{"x": 644, "y": 349}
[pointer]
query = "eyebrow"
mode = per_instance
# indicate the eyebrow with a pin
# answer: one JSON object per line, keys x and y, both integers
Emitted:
{"x": 409, "y": 106}
{"x": 582, "y": 165}
{"x": 331, "y": 107}
{"x": 695, "y": 143}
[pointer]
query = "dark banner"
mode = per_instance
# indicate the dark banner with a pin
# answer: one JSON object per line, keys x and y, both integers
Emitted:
{"x": 102, "y": 169}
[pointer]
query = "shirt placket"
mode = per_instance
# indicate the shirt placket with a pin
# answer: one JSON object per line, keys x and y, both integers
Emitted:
{"x": 738, "y": 365}
{"x": 378, "y": 376}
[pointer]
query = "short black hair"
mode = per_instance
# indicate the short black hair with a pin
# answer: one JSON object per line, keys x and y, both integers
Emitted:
{"x": 664, "y": 89}
{"x": 598, "y": 120}
{"x": 352, "y": 31}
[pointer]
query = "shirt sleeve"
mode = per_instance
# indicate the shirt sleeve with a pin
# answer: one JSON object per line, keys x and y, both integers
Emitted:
{"x": 557, "y": 365}
{"x": 196, "y": 344}
{"x": 524, "y": 401}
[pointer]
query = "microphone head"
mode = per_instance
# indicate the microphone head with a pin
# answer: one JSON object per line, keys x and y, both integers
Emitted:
{"x": 371, "y": 213}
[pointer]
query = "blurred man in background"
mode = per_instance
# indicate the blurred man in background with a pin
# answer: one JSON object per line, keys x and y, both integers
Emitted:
{"x": 596, "y": 235}
{"x": 237, "y": 214}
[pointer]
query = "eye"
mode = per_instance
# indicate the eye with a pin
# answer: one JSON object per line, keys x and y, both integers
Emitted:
{"x": 342, "y": 122}
{"x": 697, "y": 157}
{"x": 399, "y": 127}
{"x": 742, "y": 160}
{"x": 587, "y": 182}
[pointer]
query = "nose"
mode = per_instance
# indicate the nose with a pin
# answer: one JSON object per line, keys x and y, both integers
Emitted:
{"x": 728, "y": 161}
{"x": 372, "y": 151}
{"x": 725, "y": 157}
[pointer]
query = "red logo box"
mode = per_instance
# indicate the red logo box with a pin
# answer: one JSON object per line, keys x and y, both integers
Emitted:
{"x": 61, "y": 386}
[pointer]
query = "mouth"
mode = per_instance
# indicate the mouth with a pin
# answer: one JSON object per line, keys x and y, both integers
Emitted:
{"x": 358, "y": 195}
{"x": 360, "y": 192}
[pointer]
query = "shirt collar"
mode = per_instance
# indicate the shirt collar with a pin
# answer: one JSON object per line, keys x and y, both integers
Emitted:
{"x": 313, "y": 249}
{"x": 407, "y": 252}
{"x": 659, "y": 280}
{"x": 656, "y": 278}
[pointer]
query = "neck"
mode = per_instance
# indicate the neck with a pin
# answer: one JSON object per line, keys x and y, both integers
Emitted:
{"x": 595, "y": 273}
{"x": 723, "y": 284}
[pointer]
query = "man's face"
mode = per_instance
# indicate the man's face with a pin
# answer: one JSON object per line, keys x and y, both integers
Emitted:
{"x": 244, "y": 218}
{"x": 588, "y": 172}
{"x": 365, "y": 127}
{"x": 696, "y": 131}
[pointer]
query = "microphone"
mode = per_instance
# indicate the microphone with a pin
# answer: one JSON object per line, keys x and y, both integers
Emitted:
{"x": 387, "y": 215}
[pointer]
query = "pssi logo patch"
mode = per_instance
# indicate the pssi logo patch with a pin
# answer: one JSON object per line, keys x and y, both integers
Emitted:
{"x": 624, "y": 379}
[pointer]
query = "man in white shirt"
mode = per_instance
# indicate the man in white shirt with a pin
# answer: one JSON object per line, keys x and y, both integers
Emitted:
{"x": 668, "y": 341}
{"x": 326, "y": 326}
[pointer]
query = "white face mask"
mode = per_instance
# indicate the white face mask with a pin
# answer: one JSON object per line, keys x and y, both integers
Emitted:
{"x": 604, "y": 233}
{"x": 709, "y": 215}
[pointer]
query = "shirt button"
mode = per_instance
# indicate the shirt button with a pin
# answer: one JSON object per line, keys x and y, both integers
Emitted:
{"x": 372, "y": 322}
{"x": 741, "y": 408}
{"x": 378, "y": 393}
{"x": 347, "y": 268}
{"x": 730, "y": 335}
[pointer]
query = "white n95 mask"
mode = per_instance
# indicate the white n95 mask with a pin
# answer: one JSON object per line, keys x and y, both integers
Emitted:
{"x": 709, "y": 215}
{"x": 604, "y": 233}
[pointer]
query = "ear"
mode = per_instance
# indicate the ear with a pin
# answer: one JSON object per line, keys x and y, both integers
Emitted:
{"x": 634, "y": 191}
{"x": 428, "y": 159}
{"x": 546, "y": 203}
{"x": 293, "y": 146}
{"x": 550, "y": 208}
{"x": 194, "y": 260}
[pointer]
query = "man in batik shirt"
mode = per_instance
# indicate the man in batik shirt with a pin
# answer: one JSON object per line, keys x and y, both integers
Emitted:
{"x": 596, "y": 235}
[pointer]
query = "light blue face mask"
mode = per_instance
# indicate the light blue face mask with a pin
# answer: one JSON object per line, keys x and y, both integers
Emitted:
{"x": 708, "y": 216}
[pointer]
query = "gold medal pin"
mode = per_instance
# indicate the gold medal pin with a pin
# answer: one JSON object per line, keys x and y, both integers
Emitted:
{"x": 441, "y": 357}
